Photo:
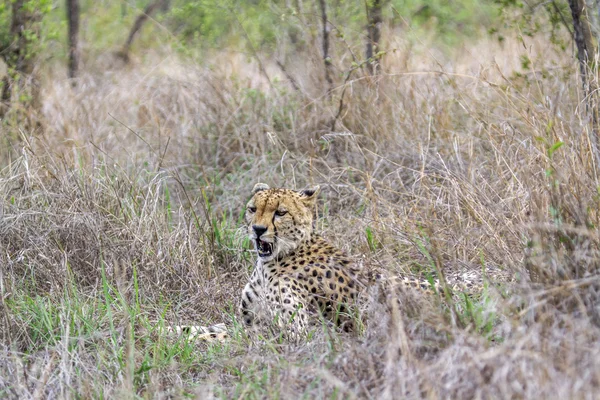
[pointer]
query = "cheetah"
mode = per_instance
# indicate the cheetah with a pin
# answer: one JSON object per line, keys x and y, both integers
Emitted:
{"x": 298, "y": 274}
{"x": 299, "y": 277}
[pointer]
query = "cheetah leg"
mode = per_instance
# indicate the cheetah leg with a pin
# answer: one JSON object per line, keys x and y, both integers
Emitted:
{"x": 249, "y": 304}
{"x": 293, "y": 320}
{"x": 290, "y": 310}
{"x": 283, "y": 305}
{"x": 213, "y": 333}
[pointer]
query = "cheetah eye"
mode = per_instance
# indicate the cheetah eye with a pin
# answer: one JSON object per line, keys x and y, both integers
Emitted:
{"x": 252, "y": 209}
{"x": 280, "y": 213}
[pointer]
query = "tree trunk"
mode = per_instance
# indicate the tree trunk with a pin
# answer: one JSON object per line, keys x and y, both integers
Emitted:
{"x": 583, "y": 38}
{"x": 24, "y": 32}
{"x": 20, "y": 55}
{"x": 73, "y": 21}
{"x": 139, "y": 22}
{"x": 326, "y": 58}
{"x": 585, "y": 54}
{"x": 374, "y": 19}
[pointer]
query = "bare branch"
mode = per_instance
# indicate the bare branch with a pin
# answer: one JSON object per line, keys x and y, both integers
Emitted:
{"x": 73, "y": 21}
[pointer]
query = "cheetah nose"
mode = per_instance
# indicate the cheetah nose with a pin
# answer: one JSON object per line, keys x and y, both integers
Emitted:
{"x": 259, "y": 230}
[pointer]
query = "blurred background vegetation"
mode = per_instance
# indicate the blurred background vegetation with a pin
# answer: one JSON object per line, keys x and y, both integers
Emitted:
{"x": 206, "y": 24}
{"x": 35, "y": 36}
{"x": 197, "y": 27}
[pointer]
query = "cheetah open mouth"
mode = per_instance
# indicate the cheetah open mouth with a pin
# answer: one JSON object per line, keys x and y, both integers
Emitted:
{"x": 264, "y": 249}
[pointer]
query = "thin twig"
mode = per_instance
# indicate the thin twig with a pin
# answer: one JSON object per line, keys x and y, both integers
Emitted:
{"x": 288, "y": 76}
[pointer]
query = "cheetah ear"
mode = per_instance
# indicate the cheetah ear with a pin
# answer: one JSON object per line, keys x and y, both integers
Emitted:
{"x": 259, "y": 187}
{"x": 310, "y": 193}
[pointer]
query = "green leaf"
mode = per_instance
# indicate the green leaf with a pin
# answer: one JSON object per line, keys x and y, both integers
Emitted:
{"x": 554, "y": 147}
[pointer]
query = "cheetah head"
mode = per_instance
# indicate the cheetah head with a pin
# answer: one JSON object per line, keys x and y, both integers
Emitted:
{"x": 279, "y": 219}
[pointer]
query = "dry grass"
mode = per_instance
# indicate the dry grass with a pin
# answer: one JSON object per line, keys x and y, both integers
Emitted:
{"x": 119, "y": 214}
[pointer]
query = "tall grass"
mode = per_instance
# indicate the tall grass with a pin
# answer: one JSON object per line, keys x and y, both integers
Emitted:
{"x": 120, "y": 215}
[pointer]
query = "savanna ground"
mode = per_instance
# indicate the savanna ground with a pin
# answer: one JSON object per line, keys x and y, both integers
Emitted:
{"x": 121, "y": 204}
